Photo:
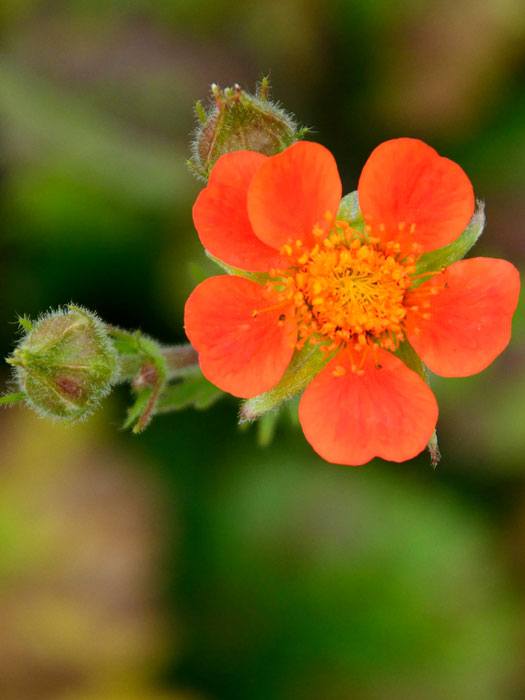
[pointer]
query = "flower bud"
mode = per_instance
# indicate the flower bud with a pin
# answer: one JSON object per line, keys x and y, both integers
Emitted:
{"x": 65, "y": 364}
{"x": 238, "y": 120}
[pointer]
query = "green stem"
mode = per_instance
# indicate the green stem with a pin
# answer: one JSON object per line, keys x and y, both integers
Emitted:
{"x": 134, "y": 349}
{"x": 180, "y": 360}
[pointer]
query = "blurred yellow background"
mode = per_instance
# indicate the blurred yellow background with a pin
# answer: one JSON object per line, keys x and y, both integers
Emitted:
{"x": 190, "y": 563}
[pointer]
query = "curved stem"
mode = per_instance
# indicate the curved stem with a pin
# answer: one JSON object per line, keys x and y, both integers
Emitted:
{"x": 149, "y": 367}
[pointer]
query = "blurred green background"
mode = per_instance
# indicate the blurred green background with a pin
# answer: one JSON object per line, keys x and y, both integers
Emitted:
{"x": 189, "y": 563}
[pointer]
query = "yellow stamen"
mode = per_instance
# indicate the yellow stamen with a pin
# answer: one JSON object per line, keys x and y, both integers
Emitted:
{"x": 350, "y": 290}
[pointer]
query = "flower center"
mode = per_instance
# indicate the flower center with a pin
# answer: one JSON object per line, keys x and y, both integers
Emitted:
{"x": 347, "y": 290}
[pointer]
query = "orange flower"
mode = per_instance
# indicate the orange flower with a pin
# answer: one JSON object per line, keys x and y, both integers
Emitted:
{"x": 355, "y": 293}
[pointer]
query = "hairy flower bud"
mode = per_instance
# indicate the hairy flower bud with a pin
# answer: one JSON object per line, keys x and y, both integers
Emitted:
{"x": 238, "y": 120}
{"x": 65, "y": 363}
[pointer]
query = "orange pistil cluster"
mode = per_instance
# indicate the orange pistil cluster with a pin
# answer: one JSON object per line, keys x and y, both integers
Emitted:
{"x": 348, "y": 290}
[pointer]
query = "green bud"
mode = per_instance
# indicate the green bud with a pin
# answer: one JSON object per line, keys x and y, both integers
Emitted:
{"x": 65, "y": 363}
{"x": 237, "y": 120}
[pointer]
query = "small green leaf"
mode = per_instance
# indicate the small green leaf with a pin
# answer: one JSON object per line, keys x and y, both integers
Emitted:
{"x": 303, "y": 368}
{"x": 193, "y": 390}
{"x": 443, "y": 257}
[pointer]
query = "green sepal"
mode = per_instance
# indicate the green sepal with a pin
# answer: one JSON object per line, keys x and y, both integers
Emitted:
{"x": 125, "y": 342}
{"x": 197, "y": 271}
{"x": 433, "y": 448}
{"x": 293, "y": 412}
{"x": 408, "y": 355}
{"x": 138, "y": 407}
{"x": 302, "y": 369}
{"x": 259, "y": 277}
{"x": 349, "y": 209}
{"x": 150, "y": 367}
{"x": 268, "y": 423}
{"x": 266, "y": 427}
{"x": 10, "y": 399}
{"x": 142, "y": 360}
{"x": 25, "y": 324}
{"x": 200, "y": 112}
{"x": 443, "y": 257}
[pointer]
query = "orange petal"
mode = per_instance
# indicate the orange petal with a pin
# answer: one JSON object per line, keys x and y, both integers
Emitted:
{"x": 242, "y": 352}
{"x": 469, "y": 319}
{"x": 292, "y": 192}
{"x": 221, "y": 218}
{"x": 388, "y": 411}
{"x": 409, "y": 193}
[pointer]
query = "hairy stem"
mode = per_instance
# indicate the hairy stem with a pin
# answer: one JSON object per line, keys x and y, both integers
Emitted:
{"x": 180, "y": 359}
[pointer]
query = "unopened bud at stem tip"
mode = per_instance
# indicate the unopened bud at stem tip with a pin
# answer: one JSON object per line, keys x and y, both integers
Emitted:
{"x": 65, "y": 364}
{"x": 238, "y": 120}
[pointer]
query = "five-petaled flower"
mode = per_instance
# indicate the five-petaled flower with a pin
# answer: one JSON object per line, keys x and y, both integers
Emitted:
{"x": 353, "y": 292}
